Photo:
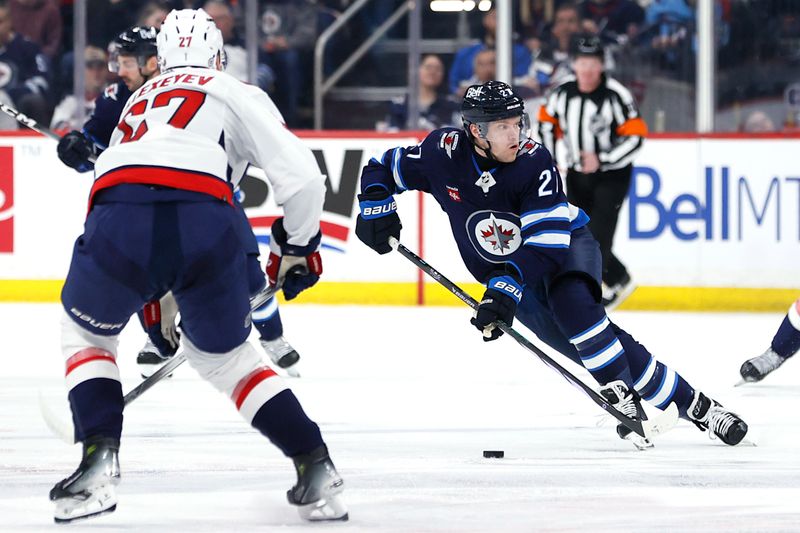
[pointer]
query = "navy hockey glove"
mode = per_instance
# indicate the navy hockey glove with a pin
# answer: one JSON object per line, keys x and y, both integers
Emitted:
{"x": 74, "y": 150}
{"x": 378, "y": 220}
{"x": 294, "y": 268}
{"x": 499, "y": 302}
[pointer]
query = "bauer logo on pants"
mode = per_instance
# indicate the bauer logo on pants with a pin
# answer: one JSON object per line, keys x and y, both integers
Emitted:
{"x": 6, "y": 199}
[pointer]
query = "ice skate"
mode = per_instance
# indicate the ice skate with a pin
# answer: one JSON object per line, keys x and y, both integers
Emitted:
{"x": 629, "y": 404}
{"x": 89, "y": 491}
{"x": 757, "y": 368}
{"x": 318, "y": 490}
{"x": 282, "y": 354}
{"x": 150, "y": 359}
{"x": 708, "y": 414}
{"x": 618, "y": 293}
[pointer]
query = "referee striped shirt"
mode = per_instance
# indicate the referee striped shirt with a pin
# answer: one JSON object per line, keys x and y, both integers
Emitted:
{"x": 604, "y": 121}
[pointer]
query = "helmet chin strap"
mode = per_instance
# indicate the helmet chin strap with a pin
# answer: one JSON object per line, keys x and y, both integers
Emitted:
{"x": 488, "y": 150}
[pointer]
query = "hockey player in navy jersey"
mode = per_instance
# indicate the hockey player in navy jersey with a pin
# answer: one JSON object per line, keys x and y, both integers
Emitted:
{"x": 519, "y": 236}
{"x": 161, "y": 218}
{"x": 133, "y": 59}
{"x": 784, "y": 345}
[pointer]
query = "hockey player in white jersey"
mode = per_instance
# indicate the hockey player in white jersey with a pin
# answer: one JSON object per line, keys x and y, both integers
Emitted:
{"x": 161, "y": 219}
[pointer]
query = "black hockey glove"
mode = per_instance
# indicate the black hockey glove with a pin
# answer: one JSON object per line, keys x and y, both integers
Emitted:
{"x": 74, "y": 150}
{"x": 499, "y": 302}
{"x": 378, "y": 220}
{"x": 294, "y": 268}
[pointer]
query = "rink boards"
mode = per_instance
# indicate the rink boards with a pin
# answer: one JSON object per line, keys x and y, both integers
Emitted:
{"x": 710, "y": 223}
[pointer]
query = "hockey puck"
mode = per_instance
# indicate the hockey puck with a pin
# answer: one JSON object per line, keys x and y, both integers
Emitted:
{"x": 494, "y": 454}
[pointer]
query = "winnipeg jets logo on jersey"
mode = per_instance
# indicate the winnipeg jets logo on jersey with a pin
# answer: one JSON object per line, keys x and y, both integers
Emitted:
{"x": 448, "y": 142}
{"x": 495, "y": 235}
{"x": 486, "y": 182}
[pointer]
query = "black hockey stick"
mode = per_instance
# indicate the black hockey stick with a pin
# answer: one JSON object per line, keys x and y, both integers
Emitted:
{"x": 27, "y": 121}
{"x": 65, "y": 430}
{"x": 645, "y": 429}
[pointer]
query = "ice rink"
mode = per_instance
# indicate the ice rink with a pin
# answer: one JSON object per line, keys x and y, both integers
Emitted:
{"x": 407, "y": 399}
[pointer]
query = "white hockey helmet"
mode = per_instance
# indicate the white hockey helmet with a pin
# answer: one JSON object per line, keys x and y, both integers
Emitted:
{"x": 189, "y": 38}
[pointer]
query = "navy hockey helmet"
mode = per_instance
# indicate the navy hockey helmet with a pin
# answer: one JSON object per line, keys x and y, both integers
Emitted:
{"x": 493, "y": 100}
{"x": 586, "y": 44}
{"x": 137, "y": 41}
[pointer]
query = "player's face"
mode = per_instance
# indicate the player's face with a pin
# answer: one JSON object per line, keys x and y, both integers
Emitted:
{"x": 128, "y": 70}
{"x": 504, "y": 138}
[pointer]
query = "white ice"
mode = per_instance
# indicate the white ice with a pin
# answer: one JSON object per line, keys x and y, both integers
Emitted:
{"x": 407, "y": 399}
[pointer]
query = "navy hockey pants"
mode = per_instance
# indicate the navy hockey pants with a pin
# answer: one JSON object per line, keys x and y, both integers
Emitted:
{"x": 565, "y": 312}
{"x": 131, "y": 253}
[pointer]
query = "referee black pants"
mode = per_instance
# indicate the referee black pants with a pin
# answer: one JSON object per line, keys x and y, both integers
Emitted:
{"x": 601, "y": 195}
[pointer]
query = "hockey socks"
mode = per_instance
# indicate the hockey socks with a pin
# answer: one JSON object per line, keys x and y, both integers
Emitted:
{"x": 787, "y": 340}
{"x": 267, "y": 320}
{"x": 97, "y": 408}
{"x": 283, "y": 421}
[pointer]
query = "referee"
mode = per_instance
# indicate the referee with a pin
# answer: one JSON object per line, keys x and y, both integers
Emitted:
{"x": 602, "y": 132}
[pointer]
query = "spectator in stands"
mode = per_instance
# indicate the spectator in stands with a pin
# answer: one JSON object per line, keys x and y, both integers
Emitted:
{"x": 222, "y": 14}
{"x": 39, "y": 21}
{"x": 670, "y": 24}
{"x": 67, "y": 114}
{"x": 436, "y": 109}
{"x": 550, "y": 53}
{"x": 614, "y": 20}
{"x": 464, "y": 60}
{"x": 289, "y": 31}
{"x": 758, "y": 122}
{"x": 153, "y": 14}
{"x": 105, "y": 19}
{"x": 23, "y": 71}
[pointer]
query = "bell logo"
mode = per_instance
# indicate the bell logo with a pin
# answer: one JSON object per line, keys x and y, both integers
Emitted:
{"x": 6, "y": 199}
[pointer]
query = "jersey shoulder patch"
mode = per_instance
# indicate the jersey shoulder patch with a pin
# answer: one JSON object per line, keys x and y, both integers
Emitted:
{"x": 529, "y": 147}
{"x": 449, "y": 141}
{"x": 112, "y": 91}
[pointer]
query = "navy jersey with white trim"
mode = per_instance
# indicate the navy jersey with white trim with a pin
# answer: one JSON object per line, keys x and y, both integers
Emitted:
{"x": 105, "y": 117}
{"x": 514, "y": 213}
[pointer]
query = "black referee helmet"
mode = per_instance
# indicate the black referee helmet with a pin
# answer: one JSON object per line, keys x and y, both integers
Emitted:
{"x": 586, "y": 44}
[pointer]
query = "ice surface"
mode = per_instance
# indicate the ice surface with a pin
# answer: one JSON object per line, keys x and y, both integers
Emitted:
{"x": 408, "y": 398}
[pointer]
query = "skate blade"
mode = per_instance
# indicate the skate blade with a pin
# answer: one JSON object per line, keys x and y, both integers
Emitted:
{"x": 292, "y": 372}
{"x": 110, "y": 510}
{"x": 663, "y": 422}
{"x": 327, "y": 509}
{"x": 103, "y": 500}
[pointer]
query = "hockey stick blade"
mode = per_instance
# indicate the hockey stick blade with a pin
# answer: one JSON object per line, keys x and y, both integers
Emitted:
{"x": 65, "y": 431}
{"x": 634, "y": 425}
{"x": 665, "y": 421}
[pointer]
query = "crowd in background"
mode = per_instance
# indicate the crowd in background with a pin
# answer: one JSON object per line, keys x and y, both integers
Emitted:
{"x": 651, "y": 47}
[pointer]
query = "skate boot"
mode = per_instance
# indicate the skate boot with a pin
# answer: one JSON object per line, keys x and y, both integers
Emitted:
{"x": 708, "y": 414}
{"x": 757, "y": 368}
{"x": 89, "y": 491}
{"x": 318, "y": 490}
{"x": 629, "y": 404}
{"x": 282, "y": 354}
{"x": 617, "y": 293}
{"x": 150, "y": 359}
